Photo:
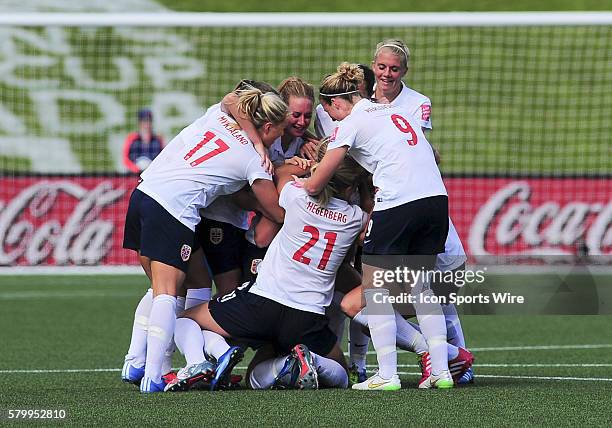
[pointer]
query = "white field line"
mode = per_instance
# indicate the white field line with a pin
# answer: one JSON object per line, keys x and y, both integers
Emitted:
{"x": 590, "y": 379}
{"x": 516, "y": 365}
{"x": 76, "y": 294}
{"x": 522, "y": 348}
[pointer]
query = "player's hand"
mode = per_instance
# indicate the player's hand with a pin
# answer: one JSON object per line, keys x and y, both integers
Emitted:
{"x": 299, "y": 180}
{"x": 266, "y": 163}
{"x": 298, "y": 161}
{"x": 309, "y": 149}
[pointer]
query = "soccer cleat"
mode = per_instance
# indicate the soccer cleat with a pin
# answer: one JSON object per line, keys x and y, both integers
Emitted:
{"x": 287, "y": 377}
{"x": 467, "y": 378}
{"x": 132, "y": 374}
{"x": 425, "y": 364}
{"x": 148, "y": 386}
{"x": 225, "y": 364}
{"x": 356, "y": 375}
{"x": 460, "y": 365}
{"x": 190, "y": 375}
{"x": 442, "y": 381}
{"x": 307, "y": 375}
{"x": 377, "y": 383}
{"x": 169, "y": 377}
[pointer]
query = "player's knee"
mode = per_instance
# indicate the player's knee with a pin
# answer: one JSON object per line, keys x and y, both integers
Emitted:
{"x": 350, "y": 306}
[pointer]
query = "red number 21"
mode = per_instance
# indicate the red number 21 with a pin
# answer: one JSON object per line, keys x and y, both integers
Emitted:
{"x": 330, "y": 237}
{"x": 221, "y": 147}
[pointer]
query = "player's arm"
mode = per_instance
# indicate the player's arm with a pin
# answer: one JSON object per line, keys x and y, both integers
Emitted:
{"x": 325, "y": 170}
{"x": 245, "y": 199}
{"x": 229, "y": 104}
{"x": 267, "y": 198}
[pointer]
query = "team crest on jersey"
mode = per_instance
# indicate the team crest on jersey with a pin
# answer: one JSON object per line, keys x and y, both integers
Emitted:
{"x": 216, "y": 235}
{"x": 425, "y": 112}
{"x": 185, "y": 252}
{"x": 255, "y": 265}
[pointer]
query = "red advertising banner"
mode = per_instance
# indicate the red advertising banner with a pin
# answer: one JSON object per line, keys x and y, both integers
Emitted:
{"x": 59, "y": 221}
{"x": 64, "y": 221}
{"x": 532, "y": 217}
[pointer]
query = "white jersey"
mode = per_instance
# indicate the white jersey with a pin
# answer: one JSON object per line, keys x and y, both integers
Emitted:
{"x": 278, "y": 155}
{"x": 207, "y": 159}
{"x": 324, "y": 124}
{"x": 224, "y": 209}
{"x": 300, "y": 266}
{"x": 419, "y": 104}
{"x": 388, "y": 143}
{"x": 416, "y": 103}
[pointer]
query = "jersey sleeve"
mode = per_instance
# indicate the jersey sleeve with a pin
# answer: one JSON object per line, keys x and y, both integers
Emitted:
{"x": 289, "y": 193}
{"x": 255, "y": 171}
{"x": 423, "y": 114}
{"x": 324, "y": 124}
{"x": 343, "y": 135}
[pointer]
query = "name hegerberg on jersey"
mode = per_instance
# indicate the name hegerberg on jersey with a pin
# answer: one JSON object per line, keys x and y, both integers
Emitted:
{"x": 324, "y": 212}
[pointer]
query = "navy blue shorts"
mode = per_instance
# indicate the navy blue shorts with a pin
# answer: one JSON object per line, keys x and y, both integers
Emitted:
{"x": 153, "y": 231}
{"x": 415, "y": 228}
{"x": 255, "y": 321}
{"x": 223, "y": 245}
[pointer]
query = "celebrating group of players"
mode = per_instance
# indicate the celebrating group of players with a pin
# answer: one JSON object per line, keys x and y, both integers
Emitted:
{"x": 288, "y": 277}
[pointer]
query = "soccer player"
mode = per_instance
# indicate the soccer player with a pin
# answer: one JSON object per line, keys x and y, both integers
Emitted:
{"x": 410, "y": 214}
{"x": 390, "y": 64}
{"x": 224, "y": 223}
{"x": 286, "y": 305}
{"x": 299, "y": 96}
{"x": 209, "y": 158}
{"x": 324, "y": 124}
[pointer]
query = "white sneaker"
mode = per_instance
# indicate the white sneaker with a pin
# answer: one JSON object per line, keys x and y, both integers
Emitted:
{"x": 442, "y": 381}
{"x": 377, "y": 383}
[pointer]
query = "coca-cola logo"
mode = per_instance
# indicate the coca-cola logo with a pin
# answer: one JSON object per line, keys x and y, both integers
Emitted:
{"x": 57, "y": 222}
{"x": 510, "y": 223}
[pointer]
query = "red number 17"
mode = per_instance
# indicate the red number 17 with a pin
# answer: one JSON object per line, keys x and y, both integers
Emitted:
{"x": 221, "y": 147}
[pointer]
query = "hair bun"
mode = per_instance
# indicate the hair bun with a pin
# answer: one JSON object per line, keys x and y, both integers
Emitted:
{"x": 350, "y": 72}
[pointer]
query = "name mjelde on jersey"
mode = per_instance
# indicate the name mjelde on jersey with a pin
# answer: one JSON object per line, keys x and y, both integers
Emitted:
{"x": 324, "y": 212}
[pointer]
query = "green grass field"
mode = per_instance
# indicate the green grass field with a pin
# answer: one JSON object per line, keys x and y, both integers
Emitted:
{"x": 64, "y": 338}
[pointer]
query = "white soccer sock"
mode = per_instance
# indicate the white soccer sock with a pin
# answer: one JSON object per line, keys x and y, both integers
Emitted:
{"x": 381, "y": 320}
{"x": 358, "y": 345}
{"x": 331, "y": 373}
{"x": 453, "y": 326}
{"x": 189, "y": 340}
{"x": 337, "y": 319}
{"x": 169, "y": 353}
{"x": 409, "y": 337}
{"x": 214, "y": 344}
{"x": 197, "y": 296}
{"x": 137, "y": 353}
{"x": 263, "y": 374}
{"x": 160, "y": 333}
{"x": 433, "y": 328}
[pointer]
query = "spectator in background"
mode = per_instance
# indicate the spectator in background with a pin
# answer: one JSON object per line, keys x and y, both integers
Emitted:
{"x": 140, "y": 148}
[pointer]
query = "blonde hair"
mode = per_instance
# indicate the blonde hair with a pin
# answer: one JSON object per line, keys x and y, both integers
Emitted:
{"x": 295, "y": 87}
{"x": 348, "y": 174}
{"x": 344, "y": 83}
{"x": 261, "y": 107}
{"x": 397, "y": 48}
